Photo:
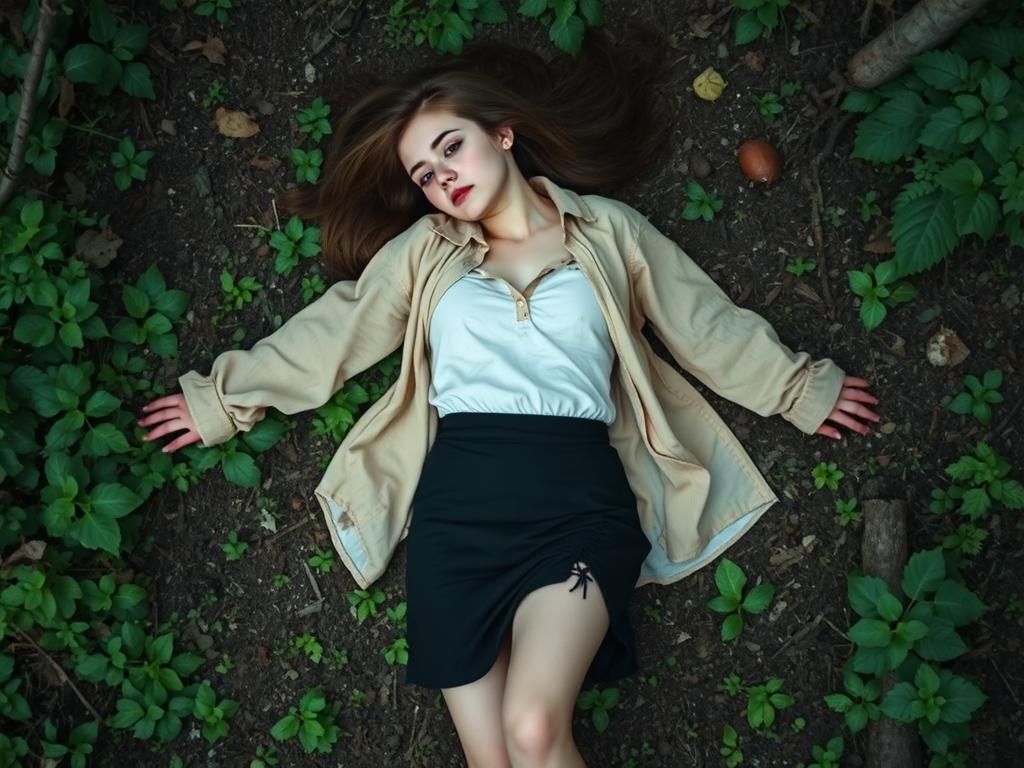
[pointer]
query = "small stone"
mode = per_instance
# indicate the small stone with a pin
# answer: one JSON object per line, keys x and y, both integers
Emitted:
{"x": 310, "y": 73}
{"x": 265, "y": 108}
{"x": 201, "y": 181}
{"x": 723, "y": 51}
{"x": 1010, "y": 297}
{"x": 888, "y": 428}
{"x": 699, "y": 165}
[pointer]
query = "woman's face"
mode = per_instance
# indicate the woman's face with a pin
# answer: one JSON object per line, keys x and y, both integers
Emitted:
{"x": 442, "y": 153}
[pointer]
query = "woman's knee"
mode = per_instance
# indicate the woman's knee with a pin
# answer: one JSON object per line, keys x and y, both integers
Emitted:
{"x": 533, "y": 730}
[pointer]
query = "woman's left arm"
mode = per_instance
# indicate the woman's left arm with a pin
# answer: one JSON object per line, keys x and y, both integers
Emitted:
{"x": 849, "y": 408}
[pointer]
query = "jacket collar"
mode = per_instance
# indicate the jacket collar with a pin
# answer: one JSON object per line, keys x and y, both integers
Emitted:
{"x": 459, "y": 232}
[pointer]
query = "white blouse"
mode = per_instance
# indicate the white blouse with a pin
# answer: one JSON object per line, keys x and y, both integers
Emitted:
{"x": 496, "y": 350}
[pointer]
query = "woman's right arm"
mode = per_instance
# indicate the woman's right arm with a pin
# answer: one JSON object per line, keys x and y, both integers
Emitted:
{"x": 300, "y": 366}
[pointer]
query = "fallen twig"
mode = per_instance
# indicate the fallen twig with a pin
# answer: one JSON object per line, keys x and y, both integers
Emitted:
{"x": 64, "y": 678}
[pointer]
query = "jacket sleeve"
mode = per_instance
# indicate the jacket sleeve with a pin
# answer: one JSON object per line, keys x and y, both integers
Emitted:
{"x": 732, "y": 350}
{"x": 301, "y": 365}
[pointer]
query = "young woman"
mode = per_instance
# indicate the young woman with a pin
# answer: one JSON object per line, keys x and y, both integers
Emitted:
{"x": 539, "y": 458}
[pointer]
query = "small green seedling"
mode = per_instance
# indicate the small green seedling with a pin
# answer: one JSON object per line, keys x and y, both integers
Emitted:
{"x": 798, "y": 265}
{"x": 313, "y": 119}
{"x": 237, "y": 293}
{"x": 265, "y": 756}
{"x": 312, "y": 286}
{"x": 312, "y": 721}
{"x": 827, "y": 757}
{"x": 979, "y": 396}
{"x": 730, "y": 748}
{"x": 768, "y": 106}
{"x": 307, "y": 164}
{"x": 827, "y": 475}
{"x": 859, "y": 705}
{"x": 129, "y": 163}
{"x": 234, "y": 548}
{"x": 732, "y": 684}
{"x": 700, "y": 204}
{"x": 763, "y": 700}
{"x": 322, "y": 561}
{"x": 365, "y": 603}
{"x": 217, "y": 8}
{"x": 878, "y": 288}
{"x": 966, "y": 540}
{"x": 279, "y": 580}
{"x": 759, "y": 18}
{"x": 293, "y": 241}
{"x": 730, "y": 580}
{"x": 847, "y": 512}
{"x": 868, "y": 207}
{"x": 791, "y": 87}
{"x": 214, "y": 94}
{"x": 213, "y": 714}
{"x": 309, "y": 645}
{"x": 599, "y": 702}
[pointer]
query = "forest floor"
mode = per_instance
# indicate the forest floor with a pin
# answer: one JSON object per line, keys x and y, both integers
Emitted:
{"x": 184, "y": 218}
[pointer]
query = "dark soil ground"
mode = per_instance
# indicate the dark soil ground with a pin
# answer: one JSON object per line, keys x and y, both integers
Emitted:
{"x": 184, "y": 219}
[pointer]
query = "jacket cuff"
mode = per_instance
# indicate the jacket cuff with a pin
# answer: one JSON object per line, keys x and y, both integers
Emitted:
{"x": 207, "y": 410}
{"x": 819, "y": 396}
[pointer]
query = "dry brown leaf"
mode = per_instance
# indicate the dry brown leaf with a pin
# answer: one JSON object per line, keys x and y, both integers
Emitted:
{"x": 786, "y": 558}
{"x": 234, "y": 124}
{"x": 700, "y": 26}
{"x": 213, "y": 49}
{"x": 97, "y": 248}
{"x": 804, "y": 290}
{"x": 30, "y": 550}
{"x": 76, "y": 195}
{"x": 67, "y": 97}
{"x": 945, "y": 348}
{"x": 264, "y": 163}
{"x": 773, "y": 294}
{"x": 754, "y": 61}
{"x": 880, "y": 240}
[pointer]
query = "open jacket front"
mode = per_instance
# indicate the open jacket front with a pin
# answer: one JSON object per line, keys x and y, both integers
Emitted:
{"x": 696, "y": 488}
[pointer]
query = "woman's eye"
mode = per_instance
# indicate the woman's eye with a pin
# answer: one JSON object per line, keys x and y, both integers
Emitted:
{"x": 423, "y": 179}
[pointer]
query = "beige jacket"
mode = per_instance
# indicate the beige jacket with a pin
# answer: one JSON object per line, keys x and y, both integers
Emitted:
{"x": 697, "y": 490}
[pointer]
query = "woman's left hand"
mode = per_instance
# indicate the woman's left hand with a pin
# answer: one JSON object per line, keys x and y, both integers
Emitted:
{"x": 849, "y": 405}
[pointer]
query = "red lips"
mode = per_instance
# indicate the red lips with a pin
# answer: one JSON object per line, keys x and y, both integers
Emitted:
{"x": 459, "y": 194}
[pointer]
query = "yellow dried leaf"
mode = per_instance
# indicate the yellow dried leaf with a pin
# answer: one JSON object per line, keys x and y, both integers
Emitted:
{"x": 709, "y": 85}
{"x": 235, "y": 124}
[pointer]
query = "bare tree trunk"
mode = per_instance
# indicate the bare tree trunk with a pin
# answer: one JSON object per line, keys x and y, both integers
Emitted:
{"x": 924, "y": 26}
{"x": 884, "y": 554}
{"x": 23, "y": 126}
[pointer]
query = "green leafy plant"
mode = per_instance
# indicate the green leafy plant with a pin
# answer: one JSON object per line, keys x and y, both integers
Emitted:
{"x": 733, "y": 685}
{"x": 213, "y": 714}
{"x": 279, "y": 580}
{"x": 867, "y": 206}
{"x": 234, "y": 548}
{"x": 879, "y": 288}
{"x": 966, "y": 540}
{"x": 313, "y": 721}
{"x": 938, "y": 703}
{"x": 768, "y": 106}
{"x": 264, "y": 756}
{"x": 309, "y": 645}
{"x": 293, "y": 241}
{"x": 307, "y": 164}
{"x": 798, "y": 265}
{"x": 313, "y": 120}
{"x": 312, "y": 286}
{"x": 152, "y": 309}
{"x": 700, "y": 204}
{"x": 730, "y": 580}
{"x": 444, "y": 24}
{"x": 827, "y": 475}
{"x": 130, "y": 164}
{"x": 762, "y": 702}
{"x": 827, "y": 756}
{"x": 237, "y": 293}
{"x": 957, "y": 118}
{"x": 322, "y": 561}
{"x": 599, "y": 701}
{"x": 214, "y": 94}
{"x": 759, "y": 18}
{"x": 107, "y": 62}
{"x": 979, "y": 396}
{"x": 80, "y": 743}
{"x": 847, "y": 512}
{"x": 730, "y": 748}
{"x": 859, "y": 704}
{"x": 565, "y": 20}
{"x": 216, "y": 8}
{"x": 790, "y": 87}
{"x": 337, "y": 415}
{"x": 365, "y": 603}
{"x": 981, "y": 483}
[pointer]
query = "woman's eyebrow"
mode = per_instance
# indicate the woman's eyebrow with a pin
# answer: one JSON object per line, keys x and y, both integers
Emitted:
{"x": 433, "y": 145}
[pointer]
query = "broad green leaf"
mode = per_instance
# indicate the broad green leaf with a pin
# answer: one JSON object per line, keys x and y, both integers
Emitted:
{"x": 758, "y": 598}
{"x": 872, "y": 312}
{"x": 748, "y": 28}
{"x": 889, "y": 607}
{"x": 944, "y": 70}
{"x": 923, "y": 573}
{"x": 923, "y": 232}
{"x": 897, "y": 702}
{"x": 890, "y": 132}
{"x": 963, "y": 177}
{"x": 976, "y": 214}
{"x": 871, "y": 633}
{"x": 113, "y": 500}
{"x": 942, "y": 643}
{"x": 730, "y": 579}
{"x": 942, "y": 130}
{"x": 962, "y": 699}
{"x": 957, "y": 604}
{"x": 732, "y": 627}
{"x": 240, "y": 469}
{"x": 864, "y": 592}
{"x": 723, "y": 604}
{"x": 860, "y": 282}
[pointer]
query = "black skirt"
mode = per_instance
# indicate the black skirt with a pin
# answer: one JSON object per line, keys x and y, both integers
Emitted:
{"x": 507, "y": 503}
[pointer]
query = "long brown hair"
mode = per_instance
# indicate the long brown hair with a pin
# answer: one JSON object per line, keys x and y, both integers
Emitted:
{"x": 591, "y": 128}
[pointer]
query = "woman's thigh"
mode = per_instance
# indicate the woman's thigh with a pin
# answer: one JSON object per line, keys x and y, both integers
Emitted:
{"x": 476, "y": 711}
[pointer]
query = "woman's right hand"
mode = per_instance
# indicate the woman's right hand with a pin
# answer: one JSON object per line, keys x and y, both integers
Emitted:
{"x": 170, "y": 414}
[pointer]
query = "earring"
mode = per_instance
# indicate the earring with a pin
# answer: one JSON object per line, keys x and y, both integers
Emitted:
{"x": 506, "y": 144}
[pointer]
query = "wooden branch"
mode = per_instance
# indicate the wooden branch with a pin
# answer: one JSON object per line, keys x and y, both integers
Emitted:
{"x": 884, "y": 554}
{"x": 23, "y": 125}
{"x": 924, "y": 26}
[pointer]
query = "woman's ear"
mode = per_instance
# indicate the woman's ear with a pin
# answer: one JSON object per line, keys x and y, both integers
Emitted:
{"x": 505, "y": 137}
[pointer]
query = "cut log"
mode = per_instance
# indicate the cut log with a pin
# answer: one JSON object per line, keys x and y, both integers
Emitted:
{"x": 884, "y": 554}
{"x": 924, "y": 26}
